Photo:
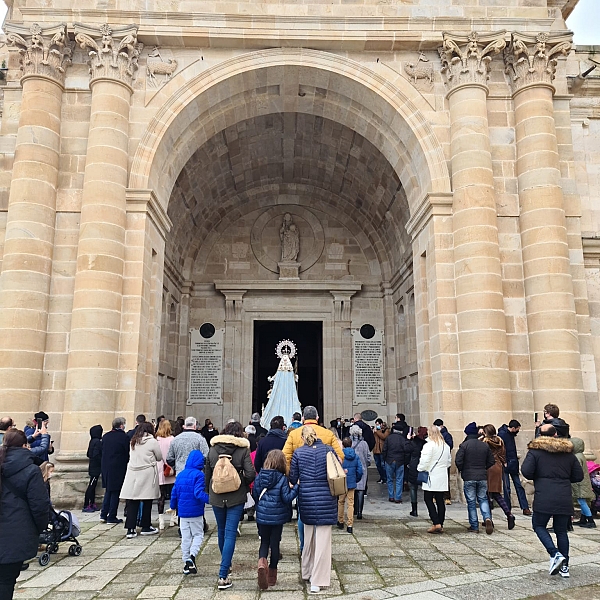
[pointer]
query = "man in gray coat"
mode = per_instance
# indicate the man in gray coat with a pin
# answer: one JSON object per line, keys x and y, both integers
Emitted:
{"x": 189, "y": 439}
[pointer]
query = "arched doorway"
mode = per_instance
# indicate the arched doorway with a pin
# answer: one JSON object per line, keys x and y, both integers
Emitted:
{"x": 299, "y": 132}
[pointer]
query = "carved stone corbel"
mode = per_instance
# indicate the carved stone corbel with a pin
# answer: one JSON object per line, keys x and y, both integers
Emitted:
{"x": 113, "y": 53}
{"x": 466, "y": 58}
{"x": 44, "y": 51}
{"x": 531, "y": 59}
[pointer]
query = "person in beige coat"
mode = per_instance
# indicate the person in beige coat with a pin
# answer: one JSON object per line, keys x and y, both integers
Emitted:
{"x": 141, "y": 479}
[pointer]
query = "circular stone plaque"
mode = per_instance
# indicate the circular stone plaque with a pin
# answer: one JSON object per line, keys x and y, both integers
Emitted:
{"x": 266, "y": 244}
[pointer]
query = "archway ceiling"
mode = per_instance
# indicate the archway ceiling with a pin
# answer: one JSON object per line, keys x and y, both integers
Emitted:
{"x": 288, "y": 148}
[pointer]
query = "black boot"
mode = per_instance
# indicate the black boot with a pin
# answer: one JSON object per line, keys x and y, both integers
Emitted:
{"x": 582, "y": 521}
{"x": 359, "y": 502}
{"x": 590, "y": 523}
{"x": 413, "y": 512}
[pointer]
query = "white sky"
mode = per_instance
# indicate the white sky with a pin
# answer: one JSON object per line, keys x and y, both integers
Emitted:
{"x": 584, "y": 21}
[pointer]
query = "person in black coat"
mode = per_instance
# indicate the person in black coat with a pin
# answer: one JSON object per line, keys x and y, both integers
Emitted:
{"x": 115, "y": 456}
{"x": 24, "y": 508}
{"x": 94, "y": 454}
{"x": 274, "y": 440}
{"x": 473, "y": 459}
{"x": 367, "y": 432}
{"x": 508, "y": 434}
{"x": 395, "y": 454}
{"x": 209, "y": 431}
{"x": 551, "y": 417}
{"x": 413, "y": 455}
{"x": 552, "y": 466}
{"x": 318, "y": 507}
{"x": 401, "y": 424}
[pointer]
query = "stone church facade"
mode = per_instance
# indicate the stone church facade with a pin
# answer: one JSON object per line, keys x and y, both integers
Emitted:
{"x": 438, "y": 161}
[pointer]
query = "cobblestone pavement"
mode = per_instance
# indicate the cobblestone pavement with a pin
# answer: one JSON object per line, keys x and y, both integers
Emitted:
{"x": 390, "y": 555}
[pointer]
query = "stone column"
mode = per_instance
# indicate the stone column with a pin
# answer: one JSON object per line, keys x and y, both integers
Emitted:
{"x": 531, "y": 62}
{"x": 27, "y": 263}
{"x": 90, "y": 393}
{"x": 483, "y": 356}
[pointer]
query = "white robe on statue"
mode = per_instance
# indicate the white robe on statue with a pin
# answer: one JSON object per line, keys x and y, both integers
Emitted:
{"x": 284, "y": 396}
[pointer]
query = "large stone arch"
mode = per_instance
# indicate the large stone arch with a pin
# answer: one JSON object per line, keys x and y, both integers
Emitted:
{"x": 199, "y": 102}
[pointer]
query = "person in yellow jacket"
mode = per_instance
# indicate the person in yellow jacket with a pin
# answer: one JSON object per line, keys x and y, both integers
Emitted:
{"x": 294, "y": 441}
{"x": 294, "y": 438}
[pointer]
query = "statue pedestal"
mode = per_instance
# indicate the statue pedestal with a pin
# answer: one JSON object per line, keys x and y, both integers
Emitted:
{"x": 289, "y": 270}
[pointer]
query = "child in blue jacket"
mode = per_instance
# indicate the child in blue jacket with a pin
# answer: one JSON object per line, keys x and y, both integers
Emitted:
{"x": 188, "y": 499}
{"x": 273, "y": 497}
{"x": 354, "y": 472}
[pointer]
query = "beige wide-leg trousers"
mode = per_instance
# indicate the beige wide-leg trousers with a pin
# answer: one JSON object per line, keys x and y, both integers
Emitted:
{"x": 316, "y": 557}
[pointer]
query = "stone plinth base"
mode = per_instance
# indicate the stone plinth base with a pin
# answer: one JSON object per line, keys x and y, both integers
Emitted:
{"x": 289, "y": 270}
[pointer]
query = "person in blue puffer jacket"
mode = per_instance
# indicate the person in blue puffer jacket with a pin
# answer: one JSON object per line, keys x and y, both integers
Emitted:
{"x": 273, "y": 495}
{"x": 354, "y": 472}
{"x": 188, "y": 499}
{"x": 317, "y": 507}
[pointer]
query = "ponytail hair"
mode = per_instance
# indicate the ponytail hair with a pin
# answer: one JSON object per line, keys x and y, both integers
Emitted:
{"x": 309, "y": 435}
{"x": 14, "y": 438}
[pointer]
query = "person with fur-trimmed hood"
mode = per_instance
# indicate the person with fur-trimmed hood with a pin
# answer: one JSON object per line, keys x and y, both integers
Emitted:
{"x": 552, "y": 466}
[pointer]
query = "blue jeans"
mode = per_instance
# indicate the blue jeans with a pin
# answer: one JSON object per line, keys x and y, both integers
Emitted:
{"x": 228, "y": 519}
{"x": 585, "y": 507}
{"x": 395, "y": 474}
{"x": 559, "y": 523}
{"x": 476, "y": 491}
{"x": 521, "y": 495}
{"x": 380, "y": 464}
{"x": 110, "y": 505}
{"x": 300, "y": 531}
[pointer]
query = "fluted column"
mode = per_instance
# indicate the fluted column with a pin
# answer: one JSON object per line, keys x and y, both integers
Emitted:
{"x": 91, "y": 386}
{"x": 530, "y": 62}
{"x": 483, "y": 356}
{"x": 27, "y": 262}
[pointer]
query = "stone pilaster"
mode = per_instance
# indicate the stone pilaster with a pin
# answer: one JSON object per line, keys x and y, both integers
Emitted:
{"x": 483, "y": 356}
{"x": 45, "y": 54}
{"x": 530, "y": 62}
{"x": 93, "y": 364}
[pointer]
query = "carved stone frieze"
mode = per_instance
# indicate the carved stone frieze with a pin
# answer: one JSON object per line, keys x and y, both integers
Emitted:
{"x": 466, "y": 58}
{"x": 420, "y": 70}
{"x": 113, "y": 53}
{"x": 531, "y": 58}
{"x": 45, "y": 51}
{"x": 157, "y": 66}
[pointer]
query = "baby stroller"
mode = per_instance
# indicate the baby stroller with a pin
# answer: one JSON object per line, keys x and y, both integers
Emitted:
{"x": 63, "y": 527}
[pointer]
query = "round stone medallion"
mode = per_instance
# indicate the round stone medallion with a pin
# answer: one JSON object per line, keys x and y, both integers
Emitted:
{"x": 266, "y": 243}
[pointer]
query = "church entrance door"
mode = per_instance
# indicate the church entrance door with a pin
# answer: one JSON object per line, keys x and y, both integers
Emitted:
{"x": 308, "y": 337}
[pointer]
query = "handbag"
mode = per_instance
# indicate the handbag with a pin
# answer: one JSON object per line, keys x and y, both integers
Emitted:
{"x": 336, "y": 476}
{"x": 423, "y": 476}
{"x": 168, "y": 470}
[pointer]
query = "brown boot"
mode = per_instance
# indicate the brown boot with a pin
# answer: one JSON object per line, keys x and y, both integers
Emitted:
{"x": 272, "y": 577}
{"x": 435, "y": 529}
{"x": 262, "y": 573}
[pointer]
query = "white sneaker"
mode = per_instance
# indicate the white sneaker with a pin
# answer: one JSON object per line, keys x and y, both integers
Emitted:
{"x": 564, "y": 571}
{"x": 131, "y": 533}
{"x": 556, "y": 562}
{"x": 149, "y": 531}
{"x": 314, "y": 589}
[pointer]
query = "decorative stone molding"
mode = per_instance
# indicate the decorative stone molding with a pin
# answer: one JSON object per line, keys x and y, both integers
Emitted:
{"x": 531, "y": 59}
{"x": 432, "y": 205}
{"x": 45, "y": 51}
{"x": 342, "y": 305}
{"x": 113, "y": 53}
{"x": 145, "y": 201}
{"x": 466, "y": 58}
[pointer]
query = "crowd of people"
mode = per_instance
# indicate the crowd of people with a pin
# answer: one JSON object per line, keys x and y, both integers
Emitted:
{"x": 248, "y": 469}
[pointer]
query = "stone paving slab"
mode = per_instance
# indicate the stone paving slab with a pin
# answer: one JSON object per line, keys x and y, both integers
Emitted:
{"x": 389, "y": 556}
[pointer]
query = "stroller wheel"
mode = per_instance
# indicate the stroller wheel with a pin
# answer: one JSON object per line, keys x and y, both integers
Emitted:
{"x": 44, "y": 559}
{"x": 75, "y": 550}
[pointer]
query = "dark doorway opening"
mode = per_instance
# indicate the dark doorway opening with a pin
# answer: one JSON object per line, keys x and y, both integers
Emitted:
{"x": 308, "y": 337}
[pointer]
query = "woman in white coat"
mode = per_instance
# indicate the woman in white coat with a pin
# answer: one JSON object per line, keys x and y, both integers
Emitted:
{"x": 141, "y": 479}
{"x": 435, "y": 459}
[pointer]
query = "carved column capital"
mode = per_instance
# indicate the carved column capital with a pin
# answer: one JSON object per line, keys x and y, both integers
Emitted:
{"x": 466, "y": 58}
{"x": 45, "y": 51}
{"x": 113, "y": 53}
{"x": 531, "y": 59}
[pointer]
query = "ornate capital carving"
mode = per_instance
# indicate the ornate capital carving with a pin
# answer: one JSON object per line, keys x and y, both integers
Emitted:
{"x": 531, "y": 59}
{"x": 45, "y": 51}
{"x": 113, "y": 53}
{"x": 466, "y": 58}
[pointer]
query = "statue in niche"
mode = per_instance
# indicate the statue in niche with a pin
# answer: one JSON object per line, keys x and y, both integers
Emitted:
{"x": 290, "y": 240}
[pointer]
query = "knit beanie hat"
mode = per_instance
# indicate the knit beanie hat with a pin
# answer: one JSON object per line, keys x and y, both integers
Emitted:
{"x": 471, "y": 429}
